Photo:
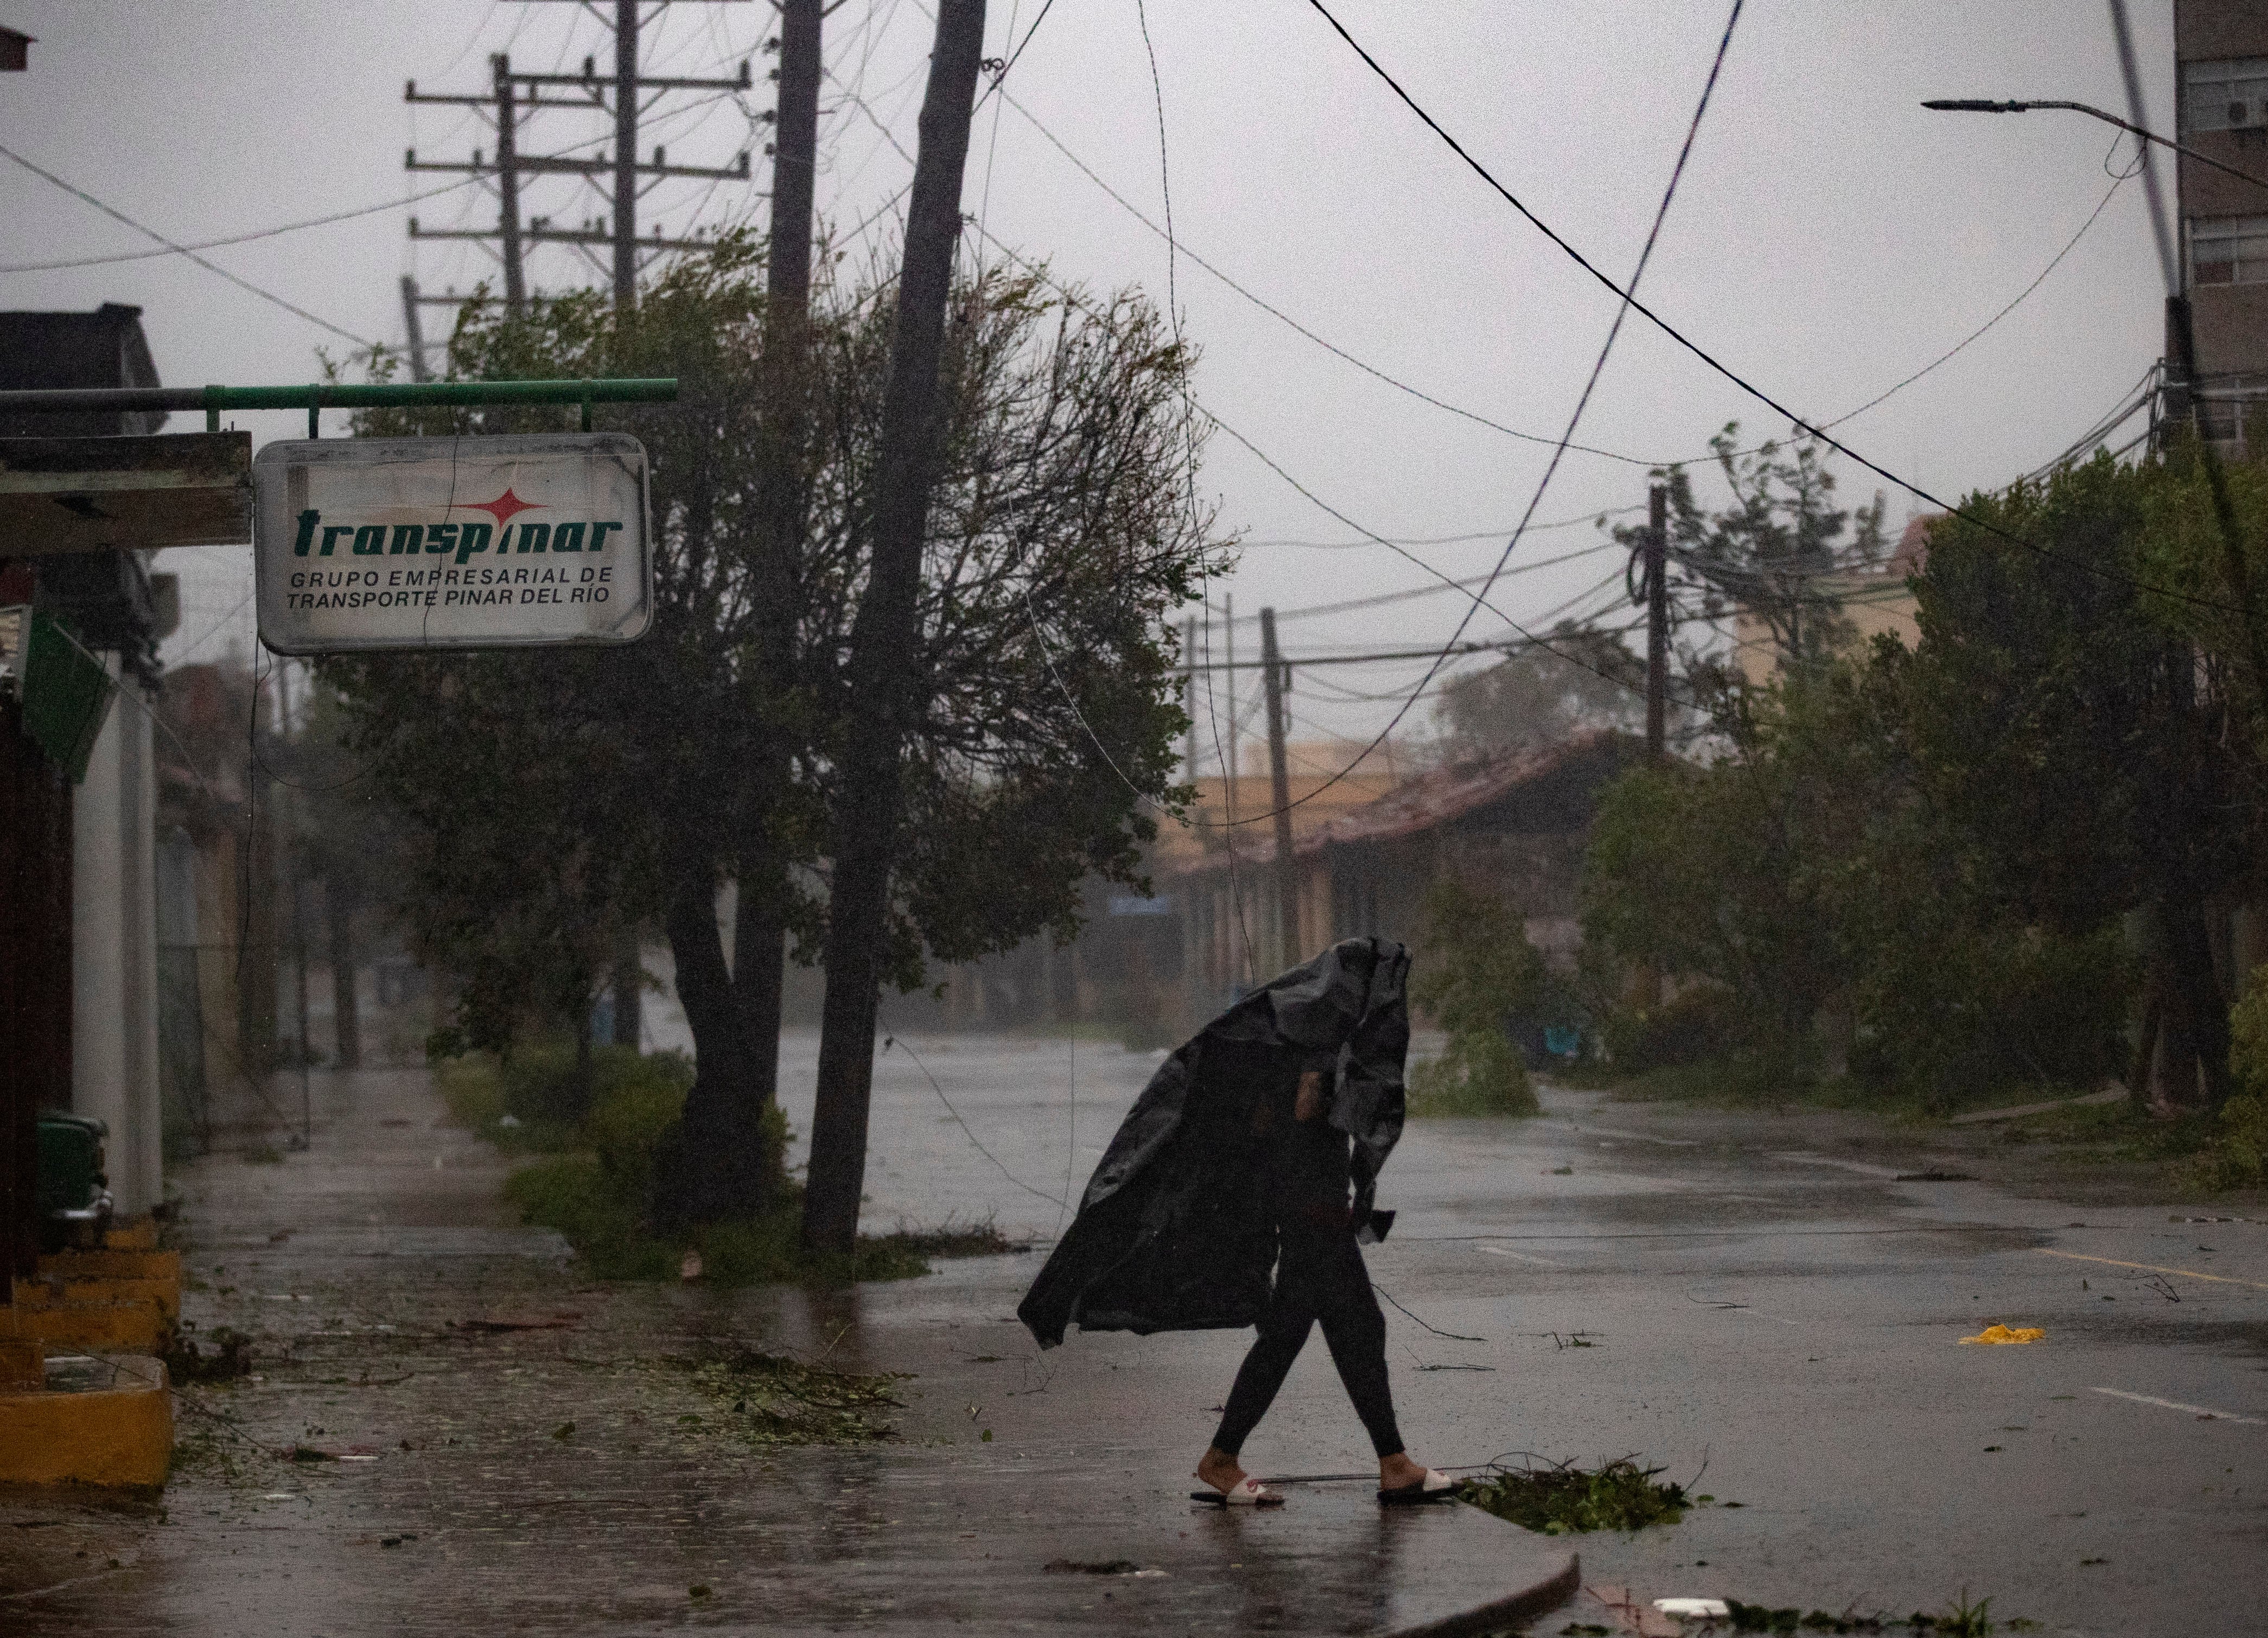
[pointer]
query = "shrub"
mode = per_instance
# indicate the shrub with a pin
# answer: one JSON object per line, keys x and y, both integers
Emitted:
{"x": 1562, "y": 1499}
{"x": 1479, "y": 972}
{"x": 594, "y": 1181}
{"x": 2238, "y": 1157}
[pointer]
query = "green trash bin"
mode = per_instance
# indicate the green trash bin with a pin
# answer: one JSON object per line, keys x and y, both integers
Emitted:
{"x": 73, "y": 1199}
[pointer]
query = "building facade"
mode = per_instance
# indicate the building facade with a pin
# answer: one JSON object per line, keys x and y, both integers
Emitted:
{"x": 2220, "y": 52}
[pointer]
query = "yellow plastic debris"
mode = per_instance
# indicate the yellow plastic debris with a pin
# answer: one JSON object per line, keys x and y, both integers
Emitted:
{"x": 1997, "y": 1333}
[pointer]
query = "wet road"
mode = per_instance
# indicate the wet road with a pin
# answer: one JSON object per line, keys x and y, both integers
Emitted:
{"x": 1761, "y": 1296}
{"x": 1753, "y": 1293}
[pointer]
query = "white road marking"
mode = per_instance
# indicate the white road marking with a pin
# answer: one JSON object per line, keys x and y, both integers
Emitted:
{"x": 2194, "y": 1410}
{"x": 1522, "y": 1257}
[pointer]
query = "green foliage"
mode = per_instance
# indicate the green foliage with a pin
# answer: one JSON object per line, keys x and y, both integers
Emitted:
{"x": 1585, "y": 678}
{"x": 1563, "y": 1499}
{"x": 1770, "y": 552}
{"x": 2238, "y": 1155}
{"x": 627, "y": 1098}
{"x": 1697, "y": 1022}
{"x": 1702, "y": 873}
{"x": 1816, "y": 873}
{"x": 563, "y": 798}
{"x": 594, "y": 1181}
{"x": 1479, "y": 971}
{"x": 769, "y": 1399}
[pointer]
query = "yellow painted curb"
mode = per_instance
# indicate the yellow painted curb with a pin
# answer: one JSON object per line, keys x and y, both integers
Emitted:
{"x": 113, "y": 1265}
{"x": 120, "y": 1436}
{"x": 131, "y": 1324}
{"x": 132, "y": 1234}
{"x": 80, "y": 1292}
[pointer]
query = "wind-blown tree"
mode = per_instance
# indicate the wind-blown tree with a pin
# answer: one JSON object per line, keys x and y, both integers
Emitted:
{"x": 1970, "y": 848}
{"x": 1057, "y": 544}
{"x": 1769, "y": 551}
{"x": 2089, "y": 736}
{"x": 1582, "y": 677}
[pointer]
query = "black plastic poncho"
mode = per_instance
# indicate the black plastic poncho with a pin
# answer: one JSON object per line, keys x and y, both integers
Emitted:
{"x": 1172, "y": 1233}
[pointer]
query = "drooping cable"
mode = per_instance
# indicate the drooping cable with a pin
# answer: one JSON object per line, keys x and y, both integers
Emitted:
{"x": 1629, "y": 302}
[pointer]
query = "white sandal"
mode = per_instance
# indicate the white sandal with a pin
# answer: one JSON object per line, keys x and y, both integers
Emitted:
{"x": 1435, "y": 1487}
{"x": 1247, "y": 1493}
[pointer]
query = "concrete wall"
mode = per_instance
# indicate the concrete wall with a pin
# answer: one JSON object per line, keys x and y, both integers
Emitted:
{"x": 114, "y": 951}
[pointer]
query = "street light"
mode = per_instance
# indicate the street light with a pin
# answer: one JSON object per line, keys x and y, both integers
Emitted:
{"x": 2181, "y": 336}
{"x": 1985, "y": 105}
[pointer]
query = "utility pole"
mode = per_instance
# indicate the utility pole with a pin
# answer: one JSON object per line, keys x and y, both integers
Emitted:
{"x": 884, "y": 705}
{"x": 1189, "y": 694}
{"x": 1657, "y": 625}
{"x": 513, "y": 94}
{"x": 515, "y": 283}
{"x": 412, "y": 328}
{"x": 626, "y": 123}
{"x": 1228, "y": 640}
{"x": 1279, "y": 789}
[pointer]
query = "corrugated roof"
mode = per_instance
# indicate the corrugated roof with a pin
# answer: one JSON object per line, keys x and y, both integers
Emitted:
{"x": 1449, "y": 793}
{"x": 1432, "y": 798}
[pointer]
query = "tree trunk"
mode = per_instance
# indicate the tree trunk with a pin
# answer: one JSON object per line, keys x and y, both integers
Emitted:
{"x": 346, "y": 1015}
{"x": 759, "y": 969}
{"x": 2146, "y": 1048}
{"x": 583, "y": 1060}
{"x": 884, "y": 703}
{"x": 760, "y": 935}
{"x": 714, "y": 1167}
{"x": 2194, "y": 1070}
{"x": 630, "y": 995}
{"x": 726, "y": 1172}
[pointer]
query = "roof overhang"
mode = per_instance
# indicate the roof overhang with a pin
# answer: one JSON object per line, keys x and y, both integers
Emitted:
{"x": 109, "y": 494}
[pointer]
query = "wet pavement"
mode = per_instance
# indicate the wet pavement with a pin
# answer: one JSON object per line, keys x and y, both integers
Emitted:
{"x": 1753, "y": 1299}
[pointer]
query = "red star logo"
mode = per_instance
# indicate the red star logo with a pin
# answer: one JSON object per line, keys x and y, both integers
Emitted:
{"x": 504, "y": 508}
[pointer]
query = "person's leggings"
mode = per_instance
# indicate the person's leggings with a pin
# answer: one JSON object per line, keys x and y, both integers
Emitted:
{"x": 1319, "y": 1275}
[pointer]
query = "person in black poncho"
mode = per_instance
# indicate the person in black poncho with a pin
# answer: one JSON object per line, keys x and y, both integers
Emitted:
{"x": 1236, "y": 1159}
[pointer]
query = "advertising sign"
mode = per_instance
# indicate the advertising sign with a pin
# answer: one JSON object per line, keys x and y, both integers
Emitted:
{"x": 451, "y": 543}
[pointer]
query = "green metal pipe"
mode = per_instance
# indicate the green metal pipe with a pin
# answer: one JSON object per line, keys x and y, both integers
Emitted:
{"x": 342, "y": 395}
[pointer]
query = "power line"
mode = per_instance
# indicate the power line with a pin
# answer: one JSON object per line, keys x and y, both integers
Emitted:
{"x": 1407, "y": 593}
{"x": 234, "y": 238}
{"x": 183, "y": 250}
{"x": 1800, "y": 423}
{"x": 1454, "y": 540}
{"x": 1645, "y": 252}
{"x": 1127, "y": 205}
{"x": 2069, "y": 246}
{"x": 1277, "y": 312}
{"x": 1480, "y": 599}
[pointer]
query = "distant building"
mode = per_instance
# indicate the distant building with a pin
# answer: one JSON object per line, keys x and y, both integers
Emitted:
{"x": 2220, "y": 53}
{"x": 1515, "y": 824}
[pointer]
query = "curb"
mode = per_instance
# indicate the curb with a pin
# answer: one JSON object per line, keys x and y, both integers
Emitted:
{"x": 1549, "y": 1593}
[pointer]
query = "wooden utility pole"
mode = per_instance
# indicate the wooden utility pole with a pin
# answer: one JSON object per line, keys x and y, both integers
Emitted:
{"x": 1657, "y": 625}
{"x": 884, "y": 705}
{"x": 626, "y": 122}
{"x": 1279, "y": 791}
{"x": 514, "y": 94}
{"x": 414, "y": 330}
{"x": 515, "y": 285}
{"x": 1189, "y": 694}
{"x": 1228, "y": 645}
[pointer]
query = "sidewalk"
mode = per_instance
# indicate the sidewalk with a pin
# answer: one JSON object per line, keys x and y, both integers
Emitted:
{"x": 489, "y": 1445}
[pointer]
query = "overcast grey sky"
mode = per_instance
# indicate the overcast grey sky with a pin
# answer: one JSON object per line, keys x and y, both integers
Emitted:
{"x": 1830, "y": 237}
